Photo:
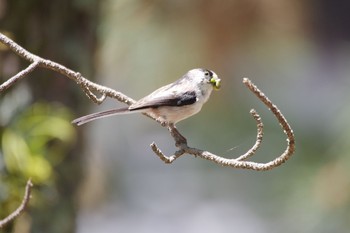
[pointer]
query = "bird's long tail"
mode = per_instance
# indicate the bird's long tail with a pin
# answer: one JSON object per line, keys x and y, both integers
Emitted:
{"x": 94, "y": 116}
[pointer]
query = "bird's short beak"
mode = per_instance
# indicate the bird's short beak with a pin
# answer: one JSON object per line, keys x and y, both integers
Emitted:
{"x": 216, "y": 82}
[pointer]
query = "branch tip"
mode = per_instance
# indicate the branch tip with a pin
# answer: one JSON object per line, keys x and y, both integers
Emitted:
{"x": 246, "y": 80}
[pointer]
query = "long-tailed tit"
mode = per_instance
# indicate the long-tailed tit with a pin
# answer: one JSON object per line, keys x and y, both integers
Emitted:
{"x": 171, "y": 103}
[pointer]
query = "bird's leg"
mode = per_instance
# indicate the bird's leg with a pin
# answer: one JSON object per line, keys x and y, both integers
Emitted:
{"x": 179, "y": 139}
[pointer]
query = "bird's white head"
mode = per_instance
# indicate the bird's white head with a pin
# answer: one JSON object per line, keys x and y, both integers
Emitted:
{"x": 204, "y": 76}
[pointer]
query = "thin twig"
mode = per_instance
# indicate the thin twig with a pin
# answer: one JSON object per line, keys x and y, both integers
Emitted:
{"x": 20, "y": 208}
{"x": 18, "y": 76}
{"x": 259, "y": 137}
{"x": 166, "y": 159}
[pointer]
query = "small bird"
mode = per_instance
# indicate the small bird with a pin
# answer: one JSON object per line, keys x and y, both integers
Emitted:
{"x": 171, "y": 103}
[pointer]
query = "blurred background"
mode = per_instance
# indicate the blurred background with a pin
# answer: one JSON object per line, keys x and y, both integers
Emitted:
{"x": 103, "y": 176}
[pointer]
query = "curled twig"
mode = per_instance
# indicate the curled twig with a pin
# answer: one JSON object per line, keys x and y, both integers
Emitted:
{"x": 259, "y": 137}
{"x": 20, "y": 208}
{"x": 239, "y": 162}
{"x": 180, "y": 141}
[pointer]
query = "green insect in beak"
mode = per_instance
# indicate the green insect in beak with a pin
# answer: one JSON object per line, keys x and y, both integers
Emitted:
{"x": 216, "y": 82}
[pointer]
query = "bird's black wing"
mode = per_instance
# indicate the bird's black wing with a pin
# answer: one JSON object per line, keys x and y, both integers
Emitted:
{"x": 180, "y": 99}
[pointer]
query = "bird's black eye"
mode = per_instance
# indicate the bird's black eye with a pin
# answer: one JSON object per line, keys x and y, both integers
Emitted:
{"x": 206, "y": 73}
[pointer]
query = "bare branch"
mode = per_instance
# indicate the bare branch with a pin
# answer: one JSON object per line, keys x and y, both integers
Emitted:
{"x": 238, "y": 162}
{"x": 85, "y": 84}
{"x": 21, "y": 208}
{"x": 180, "y": 141}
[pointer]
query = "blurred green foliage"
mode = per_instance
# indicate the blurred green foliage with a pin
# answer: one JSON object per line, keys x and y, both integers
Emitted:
{"x": 33, "y": 143}
{"x": 40, "y": 130}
